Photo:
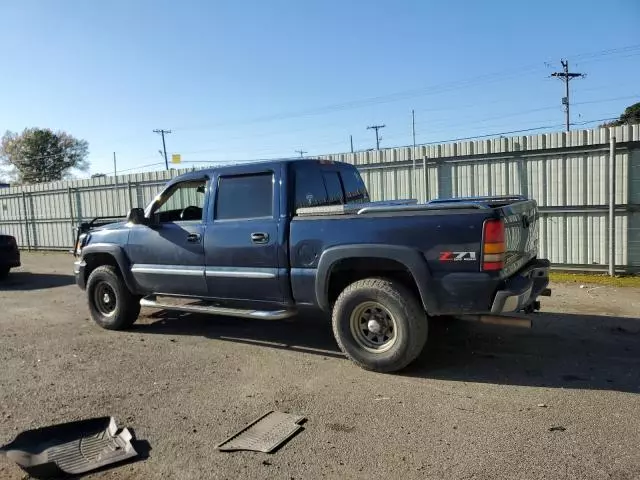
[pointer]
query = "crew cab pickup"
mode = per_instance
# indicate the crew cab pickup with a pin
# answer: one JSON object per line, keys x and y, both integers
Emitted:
{"x": 268, "y": 240}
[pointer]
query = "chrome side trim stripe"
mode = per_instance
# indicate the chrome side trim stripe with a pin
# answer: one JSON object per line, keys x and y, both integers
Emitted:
{"x": 168, "y": 269}
{"x": 235, "y": 272}
{"x": 220, "y": 272}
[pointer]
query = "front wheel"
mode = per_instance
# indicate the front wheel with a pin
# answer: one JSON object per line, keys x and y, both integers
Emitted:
{"x": 379, "y": 324}
{"x": 111, "y": 303}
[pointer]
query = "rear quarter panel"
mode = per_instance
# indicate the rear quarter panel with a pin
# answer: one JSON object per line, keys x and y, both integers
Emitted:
{"x": 449, "y": 242}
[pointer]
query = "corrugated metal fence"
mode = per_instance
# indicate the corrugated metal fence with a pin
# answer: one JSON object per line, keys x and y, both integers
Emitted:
{"x": 567, "y": 173}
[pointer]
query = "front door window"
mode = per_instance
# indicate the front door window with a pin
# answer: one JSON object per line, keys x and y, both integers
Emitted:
{"x": 184, "y": 202}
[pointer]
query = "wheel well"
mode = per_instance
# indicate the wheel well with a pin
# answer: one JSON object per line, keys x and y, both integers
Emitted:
{"x": 95, "y": 260}
{"x": 350, "y": 270}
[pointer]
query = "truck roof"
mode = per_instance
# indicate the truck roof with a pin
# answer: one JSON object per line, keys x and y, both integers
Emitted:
{"x": 246, "y": 167}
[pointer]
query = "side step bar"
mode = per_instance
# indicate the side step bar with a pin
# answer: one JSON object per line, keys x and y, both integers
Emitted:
{"x": 151, "y": 301}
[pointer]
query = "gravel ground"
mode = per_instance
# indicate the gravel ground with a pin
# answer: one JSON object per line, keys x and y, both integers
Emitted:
{"x": 479, "y": 404}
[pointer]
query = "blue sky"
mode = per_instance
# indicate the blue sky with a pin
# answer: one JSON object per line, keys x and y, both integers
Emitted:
{"x": 249, "y": 79}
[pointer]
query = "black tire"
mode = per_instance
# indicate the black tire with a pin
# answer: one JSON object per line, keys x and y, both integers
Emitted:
{"x": 122, "y": 308}
{"x": 405, "y": 313}
{"x": 4, "y": 272}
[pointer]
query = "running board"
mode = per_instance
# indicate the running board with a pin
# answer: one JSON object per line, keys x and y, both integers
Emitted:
{"x": 151, "y": 301}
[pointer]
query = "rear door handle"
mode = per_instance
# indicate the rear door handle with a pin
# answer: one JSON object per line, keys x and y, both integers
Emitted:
{"x": 259, "y": 237}
{"x": 193, "y": 238}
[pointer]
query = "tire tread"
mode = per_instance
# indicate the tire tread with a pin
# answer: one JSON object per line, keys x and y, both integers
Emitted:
{"x": 128, "y": 304}
{"x": 411, "y": 309}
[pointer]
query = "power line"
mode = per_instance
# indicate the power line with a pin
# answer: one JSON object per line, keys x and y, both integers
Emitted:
{"x": 495, "y": 134}
{"x": 421, "y": 91}
{"x": 376, "y": 128}
{"x": 566, "y": 76}
{"x": 610, "y": 51}
{"x": 456, "y": 120}
{"x": 523, "y": 130}
{"x": 164, "y": 146}
{"x": 140, "y": 167}
{"x": 301, "y": 152}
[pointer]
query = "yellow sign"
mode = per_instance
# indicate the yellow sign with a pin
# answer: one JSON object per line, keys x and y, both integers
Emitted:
{"x": 175, "y": 158}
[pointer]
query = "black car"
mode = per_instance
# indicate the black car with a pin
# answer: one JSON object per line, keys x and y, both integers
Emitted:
{"x": 9, "y": 254}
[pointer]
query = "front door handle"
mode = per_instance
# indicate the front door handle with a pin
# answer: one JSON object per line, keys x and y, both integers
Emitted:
{"x": 193, "y": 238}
{"x": 259, "y": 237}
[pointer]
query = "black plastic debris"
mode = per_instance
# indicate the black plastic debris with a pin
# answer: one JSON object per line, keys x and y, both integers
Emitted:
{"x": 70, "y": 448}
{"x": 557, "y": 428}
{"x": 265, "y": 434}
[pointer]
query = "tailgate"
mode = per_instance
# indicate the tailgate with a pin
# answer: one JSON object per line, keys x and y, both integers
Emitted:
{"x": 521, "y": 234}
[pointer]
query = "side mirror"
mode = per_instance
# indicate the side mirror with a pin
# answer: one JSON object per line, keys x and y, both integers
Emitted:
{"x": 136, "y": 216}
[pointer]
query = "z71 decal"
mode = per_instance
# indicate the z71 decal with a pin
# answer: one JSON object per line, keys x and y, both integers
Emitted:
{"x": 458, "y": 256}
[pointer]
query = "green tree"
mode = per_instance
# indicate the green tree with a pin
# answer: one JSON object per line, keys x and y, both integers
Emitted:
{"x": 42, "y": 155}
{"x": 630, "y": 116}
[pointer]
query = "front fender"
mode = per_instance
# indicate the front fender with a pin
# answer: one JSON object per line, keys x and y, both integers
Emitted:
{"x": 412, "y": 260}
{"x": 120, "y": 257}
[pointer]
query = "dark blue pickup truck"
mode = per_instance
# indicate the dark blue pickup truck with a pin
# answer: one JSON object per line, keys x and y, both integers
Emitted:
{"x": 268, "y": 240}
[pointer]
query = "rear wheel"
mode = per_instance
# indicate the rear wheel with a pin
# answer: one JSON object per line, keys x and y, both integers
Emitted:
{"x": 4, "y": 272}
{"x": 111, "y": 303}
{"x": 379, "y": 324}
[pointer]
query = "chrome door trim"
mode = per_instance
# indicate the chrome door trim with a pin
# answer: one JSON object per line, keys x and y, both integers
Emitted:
{"x": 241, "y": 272}
{"x": 167, "y": 269}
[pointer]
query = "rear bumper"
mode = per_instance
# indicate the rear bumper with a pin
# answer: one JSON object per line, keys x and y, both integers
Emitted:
{"x": 10, "y": 259}
{"x": 523, "y": 289}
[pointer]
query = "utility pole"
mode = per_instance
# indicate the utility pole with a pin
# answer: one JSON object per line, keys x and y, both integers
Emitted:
{"x": 566, "y": 76}
{"x": 376, "y": 128}
{"x": 115, "y": 169}
{"x": 164, "y": 146}
{"x": 351, "y": 141}
{"x": 301, "y": 152}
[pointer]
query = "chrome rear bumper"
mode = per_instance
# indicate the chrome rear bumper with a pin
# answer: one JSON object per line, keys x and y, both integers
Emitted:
{"x": 523, "y": 289}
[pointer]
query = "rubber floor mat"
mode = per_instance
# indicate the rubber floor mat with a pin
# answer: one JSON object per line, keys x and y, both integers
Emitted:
{"x": 265, "y": 434}
{"x": 70, "y": 448}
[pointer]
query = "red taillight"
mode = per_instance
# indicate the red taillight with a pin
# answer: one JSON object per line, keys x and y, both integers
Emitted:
{"x": 493, "y": 247}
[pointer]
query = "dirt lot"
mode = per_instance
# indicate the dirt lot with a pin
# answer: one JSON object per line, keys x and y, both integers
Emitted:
{"x": 468, "y": 409}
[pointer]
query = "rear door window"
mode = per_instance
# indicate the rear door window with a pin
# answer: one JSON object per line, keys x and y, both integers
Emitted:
{"x": 243, "y": 197}
{"x": 333, "y": 185}
{"x": 354, "y": 188}
{"x": 309, "y": 187}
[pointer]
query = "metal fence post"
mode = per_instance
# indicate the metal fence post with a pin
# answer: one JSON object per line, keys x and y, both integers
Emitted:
{"x": 26, "y": 220}
{"x": 129, "y": 194}
{"x": 612, "y": 205}
{"x": 439, "y": 177}
{"x": 425, "y": 174}
{"x": 71, "y": 220}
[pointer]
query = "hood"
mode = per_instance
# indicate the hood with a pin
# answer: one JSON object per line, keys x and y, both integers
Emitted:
{"x": 110, "y": 226}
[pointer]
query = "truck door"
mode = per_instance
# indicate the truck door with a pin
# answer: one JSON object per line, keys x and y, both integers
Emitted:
{"x": 243, "y": 241}
{"x": 167, "y": 255}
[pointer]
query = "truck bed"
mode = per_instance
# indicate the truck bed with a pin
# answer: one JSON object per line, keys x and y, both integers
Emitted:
{"x": 390, "y": 206}
{"x": 447, "y": 234}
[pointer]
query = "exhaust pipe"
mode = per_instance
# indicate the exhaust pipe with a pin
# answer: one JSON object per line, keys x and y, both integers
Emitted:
{"x": 520, "y": 322}
{"x": 508, "y": 321}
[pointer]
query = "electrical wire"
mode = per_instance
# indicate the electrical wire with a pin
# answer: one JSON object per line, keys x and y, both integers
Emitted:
{"x": 435, "y": 142}
{"x": 430, "y": 90}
